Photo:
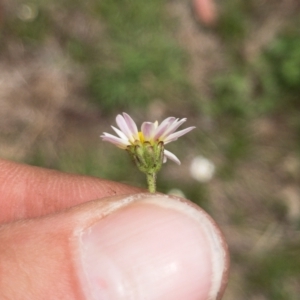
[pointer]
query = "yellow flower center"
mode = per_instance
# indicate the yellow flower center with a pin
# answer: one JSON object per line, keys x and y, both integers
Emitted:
{"x": 141, "y": 137}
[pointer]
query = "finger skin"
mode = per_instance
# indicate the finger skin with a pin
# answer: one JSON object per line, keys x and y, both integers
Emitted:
{"x": 39, "y": 258}
{"x": 35, "y": 261}
{"x": 28, "y": 191}
{"x": 36, "y": 248}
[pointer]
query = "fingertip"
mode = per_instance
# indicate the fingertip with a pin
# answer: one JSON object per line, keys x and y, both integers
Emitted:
{"x": 154, "y": 245}
{"x": 141, "y": 246}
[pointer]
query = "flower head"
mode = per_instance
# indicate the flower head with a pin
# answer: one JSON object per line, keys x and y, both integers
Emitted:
{"x": 150, "y": 134}
{"x": 147, "y": 147}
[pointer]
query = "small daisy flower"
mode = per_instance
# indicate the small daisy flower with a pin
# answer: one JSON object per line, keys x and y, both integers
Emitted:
{"x": 146, "y": 146}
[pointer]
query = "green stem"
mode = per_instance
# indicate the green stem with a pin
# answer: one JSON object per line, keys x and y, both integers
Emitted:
{"x": 151, "y": 180}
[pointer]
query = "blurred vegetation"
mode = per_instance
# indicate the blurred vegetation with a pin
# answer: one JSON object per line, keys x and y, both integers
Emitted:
{"x": 145, "y": 54}
{"x": 132, "y": 60}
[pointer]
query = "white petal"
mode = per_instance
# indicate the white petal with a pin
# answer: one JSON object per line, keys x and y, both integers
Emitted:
{"x": 119, "y": 133}
{"x": 148, "y": 129}
{"x": 131, "y": 125}
{"x": 124, "y": 128}
{"x": 170, "y": 155}
{"x": 174, "y": 136}
{"x": 163, "y": 127}
{"x": 172, "y": 128}
{"x": 114, "y": 140}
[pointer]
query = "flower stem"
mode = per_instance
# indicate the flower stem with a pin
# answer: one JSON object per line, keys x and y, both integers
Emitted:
{"x": 151, "y": 180}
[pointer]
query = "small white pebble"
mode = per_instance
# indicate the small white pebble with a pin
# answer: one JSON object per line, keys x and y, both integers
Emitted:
{"x": 177, "y": 192}
{"x": 202, "y": 169}
{"x": 27, "y": 12}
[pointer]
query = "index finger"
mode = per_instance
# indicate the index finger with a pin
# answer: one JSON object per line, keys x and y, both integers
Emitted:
{"x": 28, "y": 191}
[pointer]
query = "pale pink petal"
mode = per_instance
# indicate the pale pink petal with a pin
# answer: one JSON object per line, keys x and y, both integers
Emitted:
{"x": 166, "y": 121}
{"x": 171, "y": 156}
{"x": 124, "y": 128}
{"x": 114, "y": 140}
{"x": 174, "y": 136}
{"x": 131, "y": 125}
{"x": 119, "y": 133}
{"x": 172, "y": 128}
{"x": 148, "y": 129}
{"x": 163, "y": 127}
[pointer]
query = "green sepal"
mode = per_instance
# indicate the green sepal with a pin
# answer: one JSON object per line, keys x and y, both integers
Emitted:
{"x": 147, "y": 157}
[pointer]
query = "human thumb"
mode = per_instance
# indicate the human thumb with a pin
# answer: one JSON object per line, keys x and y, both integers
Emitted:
{"x": 142, "y": 246}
